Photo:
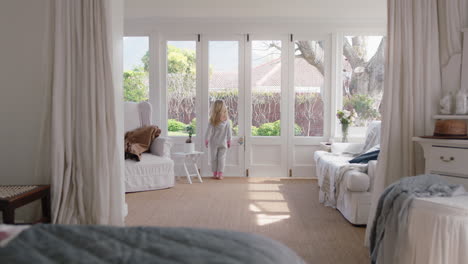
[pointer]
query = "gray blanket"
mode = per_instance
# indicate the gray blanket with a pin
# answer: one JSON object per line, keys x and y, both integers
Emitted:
{"x": 105, "y": 244}
{"x": 390, "y": 221}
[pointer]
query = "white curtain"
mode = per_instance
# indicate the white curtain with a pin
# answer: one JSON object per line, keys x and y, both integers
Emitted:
{"x": 411, "y": 90}
{"x": 85, "y": 159}
{"x": 423, "y": 59}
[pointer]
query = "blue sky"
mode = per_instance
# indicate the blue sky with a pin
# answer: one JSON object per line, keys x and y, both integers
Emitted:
{"x": 223, "y": 55}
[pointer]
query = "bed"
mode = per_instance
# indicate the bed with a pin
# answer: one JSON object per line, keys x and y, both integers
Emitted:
{"x": 105, "y": 244}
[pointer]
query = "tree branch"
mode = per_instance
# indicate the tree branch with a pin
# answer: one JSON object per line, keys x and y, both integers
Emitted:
{"x": 313, "y": 54}
{"x": 351, "y": 55}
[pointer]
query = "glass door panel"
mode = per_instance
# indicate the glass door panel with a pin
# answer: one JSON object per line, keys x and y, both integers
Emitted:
{"x": 136, "y": 69}
{"x": 309, "y": 72}
{"x": 265, "y": 100}
{"x": 223, "y": 75}
{"x": 181, "y": 87}
{"x": 266, "y": 88}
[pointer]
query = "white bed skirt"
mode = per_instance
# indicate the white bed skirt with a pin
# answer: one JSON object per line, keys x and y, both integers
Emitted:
{"x": 437, "y": 231}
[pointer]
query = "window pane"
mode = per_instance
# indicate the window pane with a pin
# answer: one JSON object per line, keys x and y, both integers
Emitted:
{"x": 181, "y": 87}
{"x": 363, "y": 75}
{"x": 308, "y": 84}
{"x": 224, "y": 77}
{"x": 266, "y": 87}
{"x": 136, "y": 65}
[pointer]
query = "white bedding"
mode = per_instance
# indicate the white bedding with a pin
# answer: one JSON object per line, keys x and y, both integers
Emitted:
{"x": 438, "y": 231}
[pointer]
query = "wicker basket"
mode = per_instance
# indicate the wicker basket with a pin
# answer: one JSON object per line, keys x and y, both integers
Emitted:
{"x": 450, "y": 127}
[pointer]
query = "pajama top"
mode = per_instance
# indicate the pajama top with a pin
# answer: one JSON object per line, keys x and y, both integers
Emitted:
{"x": 219, "y": 135}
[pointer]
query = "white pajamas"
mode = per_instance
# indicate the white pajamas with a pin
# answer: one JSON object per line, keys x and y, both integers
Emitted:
{"x": 218, "y": 137}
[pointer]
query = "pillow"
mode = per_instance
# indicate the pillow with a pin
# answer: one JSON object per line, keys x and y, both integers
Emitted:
{"x": 366, "y": 157}
{"x": 372, "y": 135}
{"x": 346, "y": 148}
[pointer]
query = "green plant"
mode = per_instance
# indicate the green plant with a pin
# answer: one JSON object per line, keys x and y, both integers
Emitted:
{"x": 363, "y": 105}
{"x": 254, "y": 131}
{"x": 190, "y": 131}
{"x": 135, "y": 86}
{"x": 270, "y": 129}
{"x": 174, "y": 125}
{"x": 193, "y": 125}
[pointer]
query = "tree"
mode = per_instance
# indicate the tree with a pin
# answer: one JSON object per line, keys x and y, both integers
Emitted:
{"x": 366, "y": 76}
{"x": 135, "y": 85}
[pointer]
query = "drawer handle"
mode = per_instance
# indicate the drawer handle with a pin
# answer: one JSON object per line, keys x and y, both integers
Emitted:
{"x": 442, "y": 158}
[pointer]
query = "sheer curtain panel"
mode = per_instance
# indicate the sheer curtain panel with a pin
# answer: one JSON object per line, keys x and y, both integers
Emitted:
{"x": 85, "y": 158}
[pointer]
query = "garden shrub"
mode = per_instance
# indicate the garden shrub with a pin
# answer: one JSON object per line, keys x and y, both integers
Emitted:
{"x": 363, "y": 105}
{"x": 174, "y": 125}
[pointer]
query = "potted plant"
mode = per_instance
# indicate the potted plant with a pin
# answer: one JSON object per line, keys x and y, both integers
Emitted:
{"x": 189, "y": 145}
{"x": 346, "y": 118}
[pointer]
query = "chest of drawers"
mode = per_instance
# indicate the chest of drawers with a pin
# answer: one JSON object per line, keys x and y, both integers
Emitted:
{"x": 448, "y": 158}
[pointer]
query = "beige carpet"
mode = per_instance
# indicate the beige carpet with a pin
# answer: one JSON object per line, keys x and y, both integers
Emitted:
{"x": 286, "y": 210}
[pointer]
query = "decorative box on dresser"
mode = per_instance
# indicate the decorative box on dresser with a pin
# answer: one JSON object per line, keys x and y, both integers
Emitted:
{"x": 446, "y": 157}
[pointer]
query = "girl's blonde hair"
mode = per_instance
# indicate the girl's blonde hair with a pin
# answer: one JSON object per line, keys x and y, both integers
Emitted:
{"x": 218, "y": 111}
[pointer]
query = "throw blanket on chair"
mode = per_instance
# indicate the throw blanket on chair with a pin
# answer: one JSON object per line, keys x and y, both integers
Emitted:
{"x": 139, "y": 140}
{"x": 390, "y": 222}
{"x": 333, "y": 169}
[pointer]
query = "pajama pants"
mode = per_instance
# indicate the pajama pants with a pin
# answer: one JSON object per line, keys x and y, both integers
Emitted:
{"x": 218, "y": 157}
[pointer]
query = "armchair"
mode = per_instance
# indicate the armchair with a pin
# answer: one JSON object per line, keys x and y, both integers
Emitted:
{"x": 344, "y": 186}
{"x": 156, "y": 168}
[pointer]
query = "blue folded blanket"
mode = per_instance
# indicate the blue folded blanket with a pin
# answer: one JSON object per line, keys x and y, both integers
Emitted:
{"x": 390, "y": 221}
{"x": 366, "y": 157}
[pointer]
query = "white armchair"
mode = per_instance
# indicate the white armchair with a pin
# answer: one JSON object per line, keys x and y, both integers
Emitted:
{"x": 352, "y": 183}
{"x": 156, "y": 168}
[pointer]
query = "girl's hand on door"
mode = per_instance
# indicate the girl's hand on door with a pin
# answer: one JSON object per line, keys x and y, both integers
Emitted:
{"x": 206, "y": 143}
{"x": 229, "y": 144}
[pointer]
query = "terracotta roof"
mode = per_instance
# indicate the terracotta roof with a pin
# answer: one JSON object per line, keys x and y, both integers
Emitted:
{"x": 268, "y": 77}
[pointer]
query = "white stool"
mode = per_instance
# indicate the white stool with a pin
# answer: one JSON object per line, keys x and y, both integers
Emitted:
{"x": 193, "y": 157}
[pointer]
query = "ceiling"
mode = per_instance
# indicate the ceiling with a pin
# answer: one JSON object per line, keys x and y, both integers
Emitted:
{"x": 326, "y": 9}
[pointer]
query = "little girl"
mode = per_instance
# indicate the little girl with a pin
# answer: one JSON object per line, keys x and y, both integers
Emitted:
{"x": 218, "y": 135}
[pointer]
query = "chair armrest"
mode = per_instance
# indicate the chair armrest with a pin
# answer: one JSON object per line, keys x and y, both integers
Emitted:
{"x": 161, "y": 147}
{"x": 347, "y": 148}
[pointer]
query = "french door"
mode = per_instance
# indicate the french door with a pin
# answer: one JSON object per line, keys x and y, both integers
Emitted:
{"x": 275, "y": 100}
{"x": 266, "y": 106}
{"x": 223, "y": 78}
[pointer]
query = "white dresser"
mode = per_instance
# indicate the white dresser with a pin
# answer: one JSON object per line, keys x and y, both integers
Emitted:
{"x": 446, "y": 157}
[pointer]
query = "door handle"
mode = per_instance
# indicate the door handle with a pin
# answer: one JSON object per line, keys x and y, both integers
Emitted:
{"x": 240, "y": 141}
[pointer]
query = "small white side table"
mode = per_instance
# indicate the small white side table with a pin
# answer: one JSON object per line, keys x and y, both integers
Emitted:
{"x": 190, "y": 157}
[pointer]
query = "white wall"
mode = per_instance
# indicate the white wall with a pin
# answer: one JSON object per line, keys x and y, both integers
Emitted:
{"x": 256, "y": 8}
{"x": 25, "y": 64}
{"x": 23, "y": 84}
{"x": 23, "y": 90}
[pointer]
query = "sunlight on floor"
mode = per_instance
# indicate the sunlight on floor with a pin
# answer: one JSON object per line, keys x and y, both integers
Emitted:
{"x": 263, "y": 219}
{"x": 268, "y": 204}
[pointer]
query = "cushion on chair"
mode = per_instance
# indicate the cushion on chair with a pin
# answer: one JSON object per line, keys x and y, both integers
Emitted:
{"x": 161, "y": 147}
{"x": 372, "y": 135}
{"x": 357, "y": 181}
{"x": 346, "y": 148}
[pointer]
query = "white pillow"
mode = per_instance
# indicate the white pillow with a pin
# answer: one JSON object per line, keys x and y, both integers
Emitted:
{"x": 346, "y": 148}
{"x": 372, "y": 135}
